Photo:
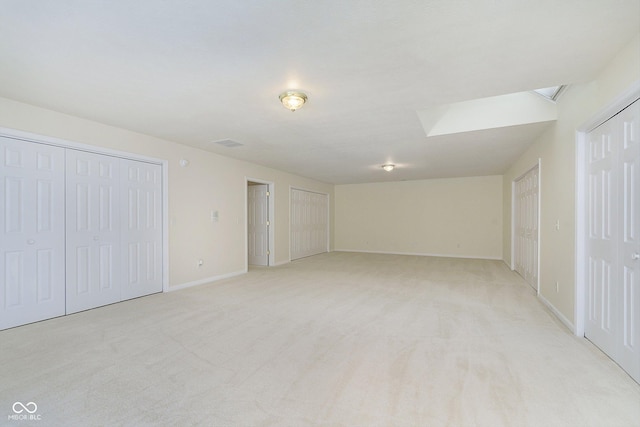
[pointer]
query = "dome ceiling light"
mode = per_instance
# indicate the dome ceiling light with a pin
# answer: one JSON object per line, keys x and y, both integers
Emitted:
{"x": 293, "y": 100}
{"x": 388, "y": 167}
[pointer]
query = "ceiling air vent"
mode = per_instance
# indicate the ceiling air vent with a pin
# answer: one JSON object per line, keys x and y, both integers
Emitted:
{"x": 229, "y": 143}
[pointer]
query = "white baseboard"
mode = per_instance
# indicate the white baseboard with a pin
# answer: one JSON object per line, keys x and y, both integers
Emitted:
{"x": 205, "y": 280}
{"x": 557, "y": 313}
{"x": 419, "y": 254}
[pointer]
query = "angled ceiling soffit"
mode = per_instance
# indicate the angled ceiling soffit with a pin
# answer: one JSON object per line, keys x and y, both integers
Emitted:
{"x": 487, "y": 113}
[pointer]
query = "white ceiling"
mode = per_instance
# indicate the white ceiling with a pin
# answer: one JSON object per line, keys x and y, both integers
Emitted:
{"x": 197, "y": 71}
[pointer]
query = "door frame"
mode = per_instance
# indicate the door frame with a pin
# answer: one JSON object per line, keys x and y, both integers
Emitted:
{"x": 164, "y": 164}
{"x": 619, "y": 103}
{"x": 538, "y": 165}
{"x": 271, "y": 214}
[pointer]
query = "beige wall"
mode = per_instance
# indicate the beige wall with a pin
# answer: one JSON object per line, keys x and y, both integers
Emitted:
{"x": 557, "y": 148}
{"x": 452, "y": 217}
{"x": 457, "y": 217}
{"x": 210, "y": 182}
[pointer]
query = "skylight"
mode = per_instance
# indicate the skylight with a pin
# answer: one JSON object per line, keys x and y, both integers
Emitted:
{"x": 551, "y": 93}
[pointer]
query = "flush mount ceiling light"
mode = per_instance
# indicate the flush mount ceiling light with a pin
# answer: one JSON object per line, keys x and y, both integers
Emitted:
{"x": 293, "y": 100}
{"x": 388, "y": 167}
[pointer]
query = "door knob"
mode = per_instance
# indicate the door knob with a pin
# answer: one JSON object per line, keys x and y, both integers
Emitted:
{"x": 30, "y": 242}
{"x": 96, "y": 238}
{"x": 635, "y": 256}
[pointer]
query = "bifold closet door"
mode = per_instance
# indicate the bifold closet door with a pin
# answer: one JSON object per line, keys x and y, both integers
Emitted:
{"x": 309, "y": 223}
{"x": 31, "y": 232}
{"x": 141, "y": 228}
{"x": 78, "y": 230}
{"x": 629, "y": 218}
{"x": 93, "y": 230}
{"x": 526, "y": 227}
{"x": 613, "y": 244}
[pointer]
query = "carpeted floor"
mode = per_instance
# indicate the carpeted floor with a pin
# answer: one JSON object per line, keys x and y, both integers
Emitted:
{"x": 340, "y": 339}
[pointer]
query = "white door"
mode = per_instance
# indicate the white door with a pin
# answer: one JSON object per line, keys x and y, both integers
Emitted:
{"x": 629, "y": 222}
{"x": 141, "y": 228}
{"x": 309, "y": 223}
{"x": 613, "y": 244}
{"x": 32, "y": 232}
{"x": 601, "y": 247}
{"x": 93, "y": 230}
{"x": 526, "y": 226}
{"x": 258, "y": 223}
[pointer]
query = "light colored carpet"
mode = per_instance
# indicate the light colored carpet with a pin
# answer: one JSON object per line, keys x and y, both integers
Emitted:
{"x": 339, "y": 339}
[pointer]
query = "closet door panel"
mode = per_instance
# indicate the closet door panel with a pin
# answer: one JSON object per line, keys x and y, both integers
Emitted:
{"x": 31, "y": 232}
{"x": 93, "y": 230}
{"x": 141, "y": 228}
{"x": 613, "y": 245}
{"x": 629, "y": 220}
{"x": 309, "y": 223}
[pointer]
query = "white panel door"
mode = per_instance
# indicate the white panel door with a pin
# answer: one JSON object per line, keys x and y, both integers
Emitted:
{"x": 309, "y": 223}
{"x": 602, "y": 199}
{"x": 93, "y": 230}
{"x": 141, "y": 228}
{"x": 32, "y": 232}
{"x": 629, "y": 223}
{"x": 520, "y": 227}
{"x": 526, "y": 226}
{"x": 613, "y": 244}
{"x": 258, "y": 224}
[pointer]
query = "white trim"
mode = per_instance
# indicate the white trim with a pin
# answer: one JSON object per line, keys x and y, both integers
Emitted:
{"x": 540, "y": 218}
{"x": 271, "y": 203}
{"x": 619, "y": 103}
{"x": 293, "y": 187}
{"x": 420, "y": 254}
{"x": 206, "y": 280}
{"x": 49, "y": 140}
{"x": 580, "y": 239}
{"x": 164, "y": 164}
{"x": 328, "y": 223}
{"x": 165, "y": 225}
{"x": 513, "y": 225}
{"x": 556, "y": 313}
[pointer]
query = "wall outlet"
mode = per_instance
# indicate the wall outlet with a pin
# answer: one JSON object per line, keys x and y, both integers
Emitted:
{"x": 557, "y": 287}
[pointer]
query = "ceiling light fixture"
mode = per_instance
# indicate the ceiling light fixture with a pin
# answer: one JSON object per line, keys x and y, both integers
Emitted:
{"x": 293, "y": 100}
{"x": 388, "y": 167}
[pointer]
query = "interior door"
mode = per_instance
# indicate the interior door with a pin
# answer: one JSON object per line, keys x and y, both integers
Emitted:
{"x": 258, "y": 223}
{"x": 526, "y": 226}
{"x": 31, "y": 232}
{"x": 629, "y": 220}
{"x": 613, "y": 243}
{"x": 93, "y": 230}
{"x": 309, "y": 223}
{"x": 520, "y": 227}
{"x": 602, "y": 200}
{"x": 141, "y": 228}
